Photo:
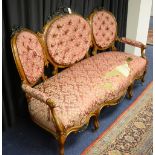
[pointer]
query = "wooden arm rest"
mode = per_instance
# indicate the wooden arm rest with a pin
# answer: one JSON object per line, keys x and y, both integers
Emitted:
{"x": 133, "y": 43}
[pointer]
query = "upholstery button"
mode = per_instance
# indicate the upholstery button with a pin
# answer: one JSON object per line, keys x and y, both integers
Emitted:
{"x": 75, "y": 29}
{"x": 34, "y": 54}
{"x": 107, "y": 28}
{"x": 100, "y": 28}
{"x": 77, "y": 44}
{"x": 107, "y": 39}
{"x": 107, "y": 17}
{"x": 86, "y": 41}
{"x": 52, "y": 45}
{"x": 60, "y": 43}
{"x": 54, "y": 35}
{"x": 66, "y": 32}
{"x": 80, "y": 35}
{"x": 103, "y": 22}
{"x": 103, "y": 34}
{"x": 70, "y": 22}
{"x": 71, "y": 39}
{"x": 59, "y": 26}
{"x": 84, "y": 27}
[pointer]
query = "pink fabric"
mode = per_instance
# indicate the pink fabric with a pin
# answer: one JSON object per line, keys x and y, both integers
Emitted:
{"x": 35, "y": 93}
{"x": 79, "y": 90}
{"x": 104, "y": 28}
{"x": 39, "y": 109}
{"x": 68, "y": 39}
{"x": 132, "y": 42}
{"x": 31, "y": 55}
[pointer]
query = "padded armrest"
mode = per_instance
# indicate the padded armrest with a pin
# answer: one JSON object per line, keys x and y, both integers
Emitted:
{"x": 38, "y": 95}
{"x": 131, "y": 42}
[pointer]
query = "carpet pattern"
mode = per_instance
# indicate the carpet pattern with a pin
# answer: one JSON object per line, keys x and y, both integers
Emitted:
{"x": 131, "y": 133}
{"x": 150, "y": 32}
{"x": 150, "y": 37}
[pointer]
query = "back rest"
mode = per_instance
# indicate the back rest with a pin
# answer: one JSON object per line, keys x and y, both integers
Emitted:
{"x": 28, "y": 54}
{"x": 104, "y": 28}
{"x": 68, "y": 39}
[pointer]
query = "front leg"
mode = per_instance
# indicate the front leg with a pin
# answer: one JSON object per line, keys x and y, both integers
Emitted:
{"x": 95, "y": 121}
{"x": 143, "y": 76}
{"x": 62, "y": 139}
{"x": 130, "y": 91}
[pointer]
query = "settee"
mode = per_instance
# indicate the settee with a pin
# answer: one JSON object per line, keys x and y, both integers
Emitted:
{"x": 65, "y": 102}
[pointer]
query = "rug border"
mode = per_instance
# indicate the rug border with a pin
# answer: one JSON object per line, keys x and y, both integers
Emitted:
{"x": 116, "y": 120}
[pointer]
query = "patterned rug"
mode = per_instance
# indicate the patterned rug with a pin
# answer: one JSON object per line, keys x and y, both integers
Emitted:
{"x": 150, "y": 37}
{"x": 131, "y": 133}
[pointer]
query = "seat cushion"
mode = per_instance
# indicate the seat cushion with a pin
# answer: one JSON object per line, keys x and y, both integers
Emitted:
{"x": 82, "y": 88}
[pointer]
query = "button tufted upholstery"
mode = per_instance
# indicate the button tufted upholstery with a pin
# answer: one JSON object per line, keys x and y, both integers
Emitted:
{"x": 30, "y": 54}
{"x": 68, "y": 39}
{"x": 82, "y": 88}
{"x": 104, "y": 28}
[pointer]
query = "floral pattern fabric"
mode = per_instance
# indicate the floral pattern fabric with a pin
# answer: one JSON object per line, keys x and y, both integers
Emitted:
{"x": 35, "y": 93}
{"x": 82, "y": 88}
{"x": 104, "y": 28}
{"x": 31, "y": 55}
{"x": 68, "y": 39}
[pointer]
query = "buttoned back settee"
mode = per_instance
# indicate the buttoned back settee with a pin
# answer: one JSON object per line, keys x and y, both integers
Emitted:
{"x": 65, "y": 102}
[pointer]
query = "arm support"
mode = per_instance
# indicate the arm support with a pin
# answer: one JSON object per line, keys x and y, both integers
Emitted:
{"x": 47, "y": 100}
{"x": 133, "y": 43}
{"x": 38, "y": 95}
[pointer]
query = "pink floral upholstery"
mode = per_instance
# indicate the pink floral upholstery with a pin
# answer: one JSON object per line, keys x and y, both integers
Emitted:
{"x": 82, "y": 88}
{"x": 68, "y": 39}
{"x": 31, "y": 55}
{"x": 35, "y": 93}
{"x": 132, "y": 42}
{"x": 104, "y": 28}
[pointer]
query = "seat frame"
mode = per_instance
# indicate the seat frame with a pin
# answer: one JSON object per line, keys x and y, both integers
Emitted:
{"x": 61, "y": 134}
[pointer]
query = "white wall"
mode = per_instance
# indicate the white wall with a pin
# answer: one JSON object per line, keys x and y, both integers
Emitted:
{"x": 138, "y": 22}
{"x": 152, "y": 9}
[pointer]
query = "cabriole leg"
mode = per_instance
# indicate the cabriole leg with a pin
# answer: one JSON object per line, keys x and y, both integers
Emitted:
{"x": 143, "y": 77}
{"x": 130, "y": 91}
{"x": 96, "y": 122}
{"x": 62, "y": 139}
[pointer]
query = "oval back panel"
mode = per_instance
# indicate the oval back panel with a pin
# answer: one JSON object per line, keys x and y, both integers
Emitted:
{"x": 68, "y": 39}
{"x": 28, "y": 53}
{"x": 104, "y": 27}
